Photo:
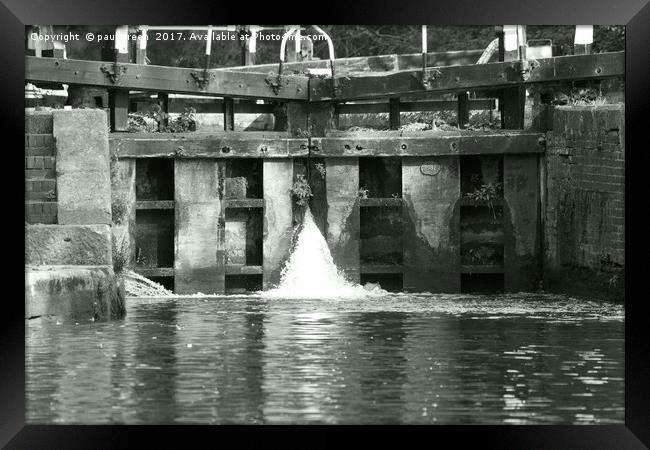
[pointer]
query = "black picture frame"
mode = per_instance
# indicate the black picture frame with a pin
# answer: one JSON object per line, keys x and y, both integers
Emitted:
{"x": 635, "y": 14}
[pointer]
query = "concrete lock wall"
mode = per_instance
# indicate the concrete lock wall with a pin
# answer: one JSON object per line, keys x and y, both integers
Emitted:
{"x": 68, "y": 248}
{"x": 585, "y": 205}
{"x": 562, "y": 212}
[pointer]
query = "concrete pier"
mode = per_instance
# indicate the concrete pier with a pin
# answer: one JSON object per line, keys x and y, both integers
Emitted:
{"x": 278, "y": 217}
{"x": 431, "y": 190}
{"x": 342, "y": 184}
{"x": 521, "y": 223}
{"x": 197, "y": 210}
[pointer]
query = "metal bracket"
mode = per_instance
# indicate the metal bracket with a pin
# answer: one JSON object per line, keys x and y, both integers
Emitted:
{"x": 525, "y": 67}
{"x": 430, "y": 76}
{"x": 114, "y": 72}
{"x": 202, "y": 79}
{"x": 340, "y": 84}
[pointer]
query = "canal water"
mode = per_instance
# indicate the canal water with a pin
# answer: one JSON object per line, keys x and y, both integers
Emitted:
{"x": 398, "y": 358}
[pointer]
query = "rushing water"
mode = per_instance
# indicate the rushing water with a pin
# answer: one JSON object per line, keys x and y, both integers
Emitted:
{"x": 393, "y": 359}
{"x": 311, "y": 273}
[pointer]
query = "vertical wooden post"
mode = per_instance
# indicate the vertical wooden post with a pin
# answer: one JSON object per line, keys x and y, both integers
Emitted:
{"x": 463, "y": 109}
{"x": 141, "y": 51}
{"x": 583, "y": 40}
{"x": 118, "y": 99}
{"x": 228, "y": 114}
{"x": 393, "y": 113}
{"x": 293, "y": 46}
{"x": 163, "y": 101}
{"x": 513, "y": 99}
{"x": 249, "y": 48}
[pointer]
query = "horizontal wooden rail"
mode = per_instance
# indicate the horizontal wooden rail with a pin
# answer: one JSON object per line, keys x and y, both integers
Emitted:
{"x": 154, "y": 204}
{"x": 241, "y": 269}
{"x": 155, "y": 271}
{"x": 429, "y": 105}
{"x": 377, "y": 63}
{"x": 203, "y": 145}
{"x": 457, "y": 78}
{"x": 381, "y": 268}
{"x": 461, "y": 143}
{"x": 244, "y": 203}
{"x": 165, "y": 79}
{"x": 203, "y": 105}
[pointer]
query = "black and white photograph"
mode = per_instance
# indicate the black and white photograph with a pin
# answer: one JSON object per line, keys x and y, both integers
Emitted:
{"x": 325, "y": 224}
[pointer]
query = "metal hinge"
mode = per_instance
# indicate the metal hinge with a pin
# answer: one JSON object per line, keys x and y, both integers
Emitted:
{"x": 114, "y": 72}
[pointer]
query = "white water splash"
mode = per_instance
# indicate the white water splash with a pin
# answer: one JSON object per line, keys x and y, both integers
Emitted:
{"x": 310, "y": 272}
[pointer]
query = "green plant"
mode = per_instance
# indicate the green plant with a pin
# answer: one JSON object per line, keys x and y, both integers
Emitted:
{"x": 118, "y": 208}
{"x": 301, "y": 190}
{"x": 183, "y": 123}
{"x": 121, "y": 255}
{"x": 363, "y": 192}
{"x": 485, "y": 194}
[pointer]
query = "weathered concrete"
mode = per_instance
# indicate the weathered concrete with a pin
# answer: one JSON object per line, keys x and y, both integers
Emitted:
{"x": 198, "y": 209}
{"x": 73, "y": 293}
{"x": 236, "y": 240}
{"x": 85, "y": 245}
{"x": 278, "y": 179}
{"x": 431, "y": 211}
{"x": 343, "y": 222}
{"x": 584, "y": 227}
{"x": 123, "y": 210}
{"x": 82, "y": 168}
{"x": 521, "y": 223}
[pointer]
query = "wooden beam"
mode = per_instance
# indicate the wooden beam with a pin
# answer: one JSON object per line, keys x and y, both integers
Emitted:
{"x": 118, "y": 103}
{"x": 427, "y": 105}
{"x": 239, "y": 145}
{"x": 469, "y": 77}
{"x": 154, "y": 204}
{"x": 467, "y": 143}
{"x": 215, "y": 82}
{"x": 205, "y": 145}
{"x": 369, "y": 63}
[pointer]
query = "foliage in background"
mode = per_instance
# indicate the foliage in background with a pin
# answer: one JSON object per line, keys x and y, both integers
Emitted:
{"x": 154, "y": 121}
{"x": 349, "y": 40}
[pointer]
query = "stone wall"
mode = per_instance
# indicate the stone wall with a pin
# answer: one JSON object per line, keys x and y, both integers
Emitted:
{"x": 68, "y": 248}
{"x": 585, "y": 204}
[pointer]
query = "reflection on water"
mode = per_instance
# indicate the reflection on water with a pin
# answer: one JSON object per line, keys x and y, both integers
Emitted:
{"x": 396, "y": 359}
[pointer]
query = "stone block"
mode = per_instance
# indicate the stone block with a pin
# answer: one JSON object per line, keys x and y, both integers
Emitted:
{"x": 82, "y": 167}
{"x": 87, "y": 245}
{"x": 76, "y": 293}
